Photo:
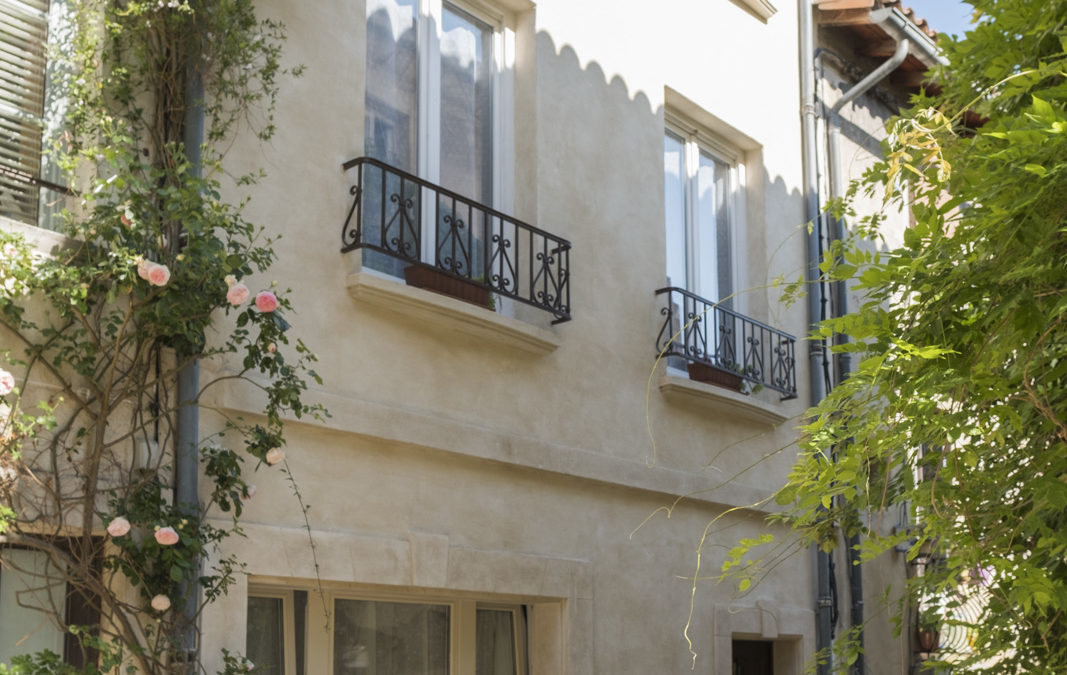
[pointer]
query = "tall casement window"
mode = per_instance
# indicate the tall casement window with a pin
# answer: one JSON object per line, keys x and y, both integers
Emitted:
{"x": 385, "y": 636}
{"x": 703, "y": 191}
{"x": 31, "y": 110}
{"x": 434, "y": 96}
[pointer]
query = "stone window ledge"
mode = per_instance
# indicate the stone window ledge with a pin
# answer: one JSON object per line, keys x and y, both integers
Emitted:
{"x": 442, "y": 312}
{"x": 722, "y": 400}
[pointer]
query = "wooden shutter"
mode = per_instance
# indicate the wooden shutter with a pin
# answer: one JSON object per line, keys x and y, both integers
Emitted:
{"x": 23, "y": 40}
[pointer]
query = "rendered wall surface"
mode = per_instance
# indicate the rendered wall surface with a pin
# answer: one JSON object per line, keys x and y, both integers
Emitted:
{"x": 457, "y": 464}
{"x": 495, "y": 457}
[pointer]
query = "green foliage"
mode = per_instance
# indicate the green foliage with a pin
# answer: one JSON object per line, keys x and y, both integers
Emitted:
{"x": 957, "y": 410}
{"x": 95, "y": 331}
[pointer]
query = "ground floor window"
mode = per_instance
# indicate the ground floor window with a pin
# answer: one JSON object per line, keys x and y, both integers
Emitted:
{"x": 385, "y": 635}
{"x": 36, "y": 606}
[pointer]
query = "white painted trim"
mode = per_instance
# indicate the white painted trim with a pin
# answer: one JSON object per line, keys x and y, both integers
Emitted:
{"x": 288, "y": 620}
{"x": 695, "y": 140}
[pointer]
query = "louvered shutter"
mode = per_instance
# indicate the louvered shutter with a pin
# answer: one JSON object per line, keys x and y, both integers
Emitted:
{"x": 23, "y": 40}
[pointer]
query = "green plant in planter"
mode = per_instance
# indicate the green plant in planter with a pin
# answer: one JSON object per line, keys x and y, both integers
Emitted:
{"x": 928, "y": 628}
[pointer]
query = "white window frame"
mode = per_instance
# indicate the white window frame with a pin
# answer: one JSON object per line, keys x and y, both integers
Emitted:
{"x": 695, "y": 140}
{"x": 429, "y": 23}
{"x": 463, "y": 622}
{"x": 288, "y": 620}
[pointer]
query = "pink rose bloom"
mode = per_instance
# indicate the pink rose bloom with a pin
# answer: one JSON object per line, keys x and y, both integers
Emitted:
{"x": 274, "y": 455}
{"x": 161, "y": 603}
{"x": 266, "y": 301}
{"x": 142, "y": 267}
{"x": 166, "y": 536}
{"x": 238, "y": 294}
{"x": 272, "y": 348}
{"x": 158, "y": 275}
{"x": 7, "y": 383}
{"x": 118, "y": 527}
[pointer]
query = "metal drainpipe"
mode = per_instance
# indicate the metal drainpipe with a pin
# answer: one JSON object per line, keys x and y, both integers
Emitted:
{"x": 823, "y": 600}
{"x": 907, "y": 36}
{"x": 187, "y": 435}
{"x": 896, "y": 25}
{"x": 840, "y": 308}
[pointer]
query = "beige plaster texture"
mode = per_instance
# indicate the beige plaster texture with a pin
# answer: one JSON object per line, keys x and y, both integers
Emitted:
{"x": 505, "y": 459}
{"x": 492, "y": 457}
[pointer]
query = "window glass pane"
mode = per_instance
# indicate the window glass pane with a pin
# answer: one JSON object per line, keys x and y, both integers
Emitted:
{"x": 495, "y": 642}
{"x": 712, "y": 233}
{"x": 466, "y": 105}
{"x": 674, "y": 202}
{"x": 390, "y": 129}
{"x": 265, "y": 644}
{"x": 32, "y": 592}
{"x": 61, "y": 27}
{"x": 390, "y": 638}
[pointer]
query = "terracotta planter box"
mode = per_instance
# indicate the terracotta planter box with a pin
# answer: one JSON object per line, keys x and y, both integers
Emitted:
{"x": 929, "y": 640}
{"x": 437, "y": 281}
{"x": 701, "y": 372}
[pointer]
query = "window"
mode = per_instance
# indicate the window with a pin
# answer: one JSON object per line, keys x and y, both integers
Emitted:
{"x": 435, "y": 93}
{"x": 385, "y": 636}
{"x": 703, "y": 186}
{"x": 34, "y": 598}
{"x": 31, "y": 110}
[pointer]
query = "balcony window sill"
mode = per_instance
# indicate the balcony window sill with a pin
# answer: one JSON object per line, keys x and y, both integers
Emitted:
{"x": 722, "y": 400}
{"x": 442, "y": 312}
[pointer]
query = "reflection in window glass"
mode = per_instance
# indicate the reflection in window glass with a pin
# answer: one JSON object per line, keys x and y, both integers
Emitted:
{"x": 390, "y": 638}
{"x": 495, "y": 642}
{"x": 713, "y": 233}
{"x": 265, "y": 642}
{"x": 466, "y": 105}
{"x": 32, "y": 592}
{"x": 390, "y": 128}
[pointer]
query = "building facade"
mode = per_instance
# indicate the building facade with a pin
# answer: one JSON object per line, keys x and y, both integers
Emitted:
{"x": 537, "y": 249}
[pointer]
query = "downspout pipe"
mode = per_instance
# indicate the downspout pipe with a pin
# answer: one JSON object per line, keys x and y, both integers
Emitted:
{"x": 813, "y": 253}
{"x": 908, "y": 38}
{"x": 187, "y": 434}
{"x": 839, "y": 307}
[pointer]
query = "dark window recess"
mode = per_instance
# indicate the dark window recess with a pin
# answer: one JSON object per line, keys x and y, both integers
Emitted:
{"x": 723, "y": 347}
{"x": 753, "y": 657}
{"x": 393, "y": 212}
{"x": 300, "y": 614}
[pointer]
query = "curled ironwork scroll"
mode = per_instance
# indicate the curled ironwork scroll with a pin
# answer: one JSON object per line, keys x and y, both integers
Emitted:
{"x": 702, "y": 331}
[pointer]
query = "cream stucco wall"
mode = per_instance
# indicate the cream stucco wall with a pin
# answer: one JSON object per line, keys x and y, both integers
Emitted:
{"x": 478, "y": 456}
{"x": 458, "y": 463}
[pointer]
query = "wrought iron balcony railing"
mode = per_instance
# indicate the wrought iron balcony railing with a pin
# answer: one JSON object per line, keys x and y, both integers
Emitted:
{"x": 702, "y": 332}
{"x": 406, "y": 218}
